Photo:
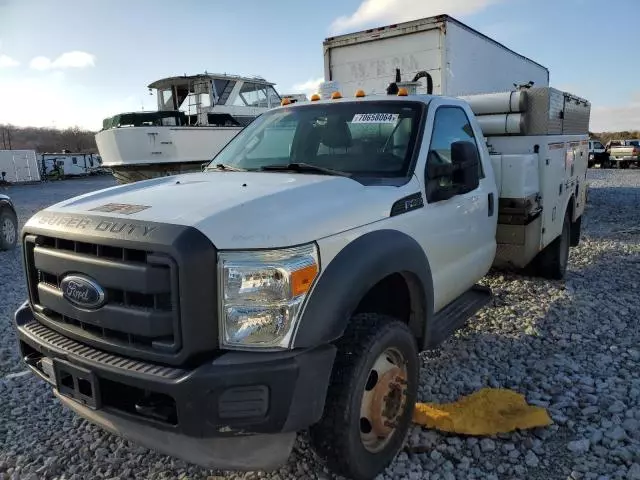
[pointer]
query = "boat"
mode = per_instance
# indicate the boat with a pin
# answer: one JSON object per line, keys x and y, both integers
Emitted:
{"x": 197, "y": 116}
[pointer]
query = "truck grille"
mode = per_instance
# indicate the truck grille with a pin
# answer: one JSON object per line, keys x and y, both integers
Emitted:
{"x": 141, "y": 312}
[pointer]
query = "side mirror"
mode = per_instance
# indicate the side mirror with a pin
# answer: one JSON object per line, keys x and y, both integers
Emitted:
{"x": 466, "y": 160}
{"x": 445, "y": 180}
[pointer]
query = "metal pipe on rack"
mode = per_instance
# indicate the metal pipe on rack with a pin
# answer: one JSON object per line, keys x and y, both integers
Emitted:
{"x": 502, "y": 124}
{"x": 500, "y": 102}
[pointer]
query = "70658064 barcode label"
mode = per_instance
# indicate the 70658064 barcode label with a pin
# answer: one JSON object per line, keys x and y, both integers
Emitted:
{"x": 375, "y": 118}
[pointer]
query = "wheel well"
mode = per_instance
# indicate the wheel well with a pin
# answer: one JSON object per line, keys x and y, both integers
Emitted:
{"x": 6, "y": 207}
{"x": 397, "y": 295}
{"x": 571, "y": 208}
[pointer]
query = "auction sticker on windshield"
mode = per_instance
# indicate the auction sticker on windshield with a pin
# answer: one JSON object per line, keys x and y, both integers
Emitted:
{"x": 375, "y": 118}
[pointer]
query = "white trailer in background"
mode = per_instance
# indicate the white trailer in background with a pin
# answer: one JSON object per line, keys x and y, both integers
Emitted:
{"x": 71, "y": 164}
{"x": 19, "y": 166}
{"x": 458, "y": 59}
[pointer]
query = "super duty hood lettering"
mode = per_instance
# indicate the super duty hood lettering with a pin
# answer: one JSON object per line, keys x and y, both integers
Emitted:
{"x": 88, "y": 224}
{"x": 129, "y": 228}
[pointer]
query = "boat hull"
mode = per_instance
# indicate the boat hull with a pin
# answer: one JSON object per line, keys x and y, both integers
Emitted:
{"x": 139, "y": 153}
{"x": 135, "y": 173}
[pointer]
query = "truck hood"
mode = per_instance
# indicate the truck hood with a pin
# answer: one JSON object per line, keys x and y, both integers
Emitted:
{"x": 237, "y": 210}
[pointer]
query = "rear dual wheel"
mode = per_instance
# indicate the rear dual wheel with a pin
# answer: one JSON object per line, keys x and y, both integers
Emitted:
{"x": 371, "y": 397}
{"x": 552, "y": 262}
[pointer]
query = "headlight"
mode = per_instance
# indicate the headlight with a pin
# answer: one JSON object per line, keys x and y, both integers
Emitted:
{"x": 262, "y": 293}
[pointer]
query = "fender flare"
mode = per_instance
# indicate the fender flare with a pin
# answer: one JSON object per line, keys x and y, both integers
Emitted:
{"x": 6, "y": 202}
{"x": 352, "y": 273}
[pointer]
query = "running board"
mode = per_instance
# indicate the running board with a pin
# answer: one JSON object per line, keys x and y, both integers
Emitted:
{"x": 455, "y": 315}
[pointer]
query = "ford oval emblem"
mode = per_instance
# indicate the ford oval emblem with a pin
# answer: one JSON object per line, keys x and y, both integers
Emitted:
{"x": 82, "y": 291}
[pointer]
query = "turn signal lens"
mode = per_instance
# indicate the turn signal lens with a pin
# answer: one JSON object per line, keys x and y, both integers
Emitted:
{"x": 402, "y": 92}
{"x": 302, "y": 279}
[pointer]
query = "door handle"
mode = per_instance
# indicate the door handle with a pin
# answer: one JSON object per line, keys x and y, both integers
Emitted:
{"x": 491, "y": 207}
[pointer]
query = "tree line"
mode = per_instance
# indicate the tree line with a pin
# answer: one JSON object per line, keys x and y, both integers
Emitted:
{"x": 604, "y": 137}
{"x": 42, "y": 140}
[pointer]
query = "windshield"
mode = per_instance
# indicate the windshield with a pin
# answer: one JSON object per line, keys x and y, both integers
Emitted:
{"x": 359, "y": 138}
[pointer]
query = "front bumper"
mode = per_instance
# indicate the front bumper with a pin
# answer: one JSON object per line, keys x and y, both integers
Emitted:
{"x": 215, "y": 414}
{"x": 625, "y": 158}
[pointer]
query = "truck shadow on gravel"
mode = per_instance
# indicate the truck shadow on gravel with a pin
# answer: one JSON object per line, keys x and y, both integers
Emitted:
{"x": 555, "y": 342}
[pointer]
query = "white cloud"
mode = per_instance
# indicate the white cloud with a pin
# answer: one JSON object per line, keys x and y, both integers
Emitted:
{"x": 7, "y": 62}
{"x": 616, "y": 118}
{"x": 40, "y": 63}
{"x": 75, "y": 59}
{"x": 391, "y": 11}
{"x": 52, "y": 99}
{"x": 309, "y": 87}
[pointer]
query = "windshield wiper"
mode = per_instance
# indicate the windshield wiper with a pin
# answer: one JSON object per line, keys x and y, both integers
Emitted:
{"x": 224, "y": 166}
{"x": 304, "y": 167}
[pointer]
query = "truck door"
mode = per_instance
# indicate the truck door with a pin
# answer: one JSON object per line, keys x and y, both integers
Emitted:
{"x": 461, "y": 239}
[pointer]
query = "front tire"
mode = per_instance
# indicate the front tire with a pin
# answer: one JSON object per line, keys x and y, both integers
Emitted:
{"x": 371, "y": 397}
{"x": 8, "y": 229}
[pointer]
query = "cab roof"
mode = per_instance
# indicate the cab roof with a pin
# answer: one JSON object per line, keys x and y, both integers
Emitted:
{"x": 421, "y": 98}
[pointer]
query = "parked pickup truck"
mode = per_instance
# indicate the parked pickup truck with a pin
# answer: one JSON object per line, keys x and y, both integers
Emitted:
{"x": 290, "y": 286}
{"x": 597, "y": 154}
{"x": 8, "y": 223}
{"x": 624, "y": 153}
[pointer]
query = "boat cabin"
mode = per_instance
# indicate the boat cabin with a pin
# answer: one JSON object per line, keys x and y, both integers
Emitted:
{"x": 214, "y": 100}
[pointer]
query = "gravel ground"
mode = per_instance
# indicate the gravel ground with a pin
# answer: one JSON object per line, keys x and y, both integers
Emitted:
{"x": 573, "y": 347}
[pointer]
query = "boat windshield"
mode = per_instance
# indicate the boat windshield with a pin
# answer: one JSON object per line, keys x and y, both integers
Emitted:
{"x": 257, "y": 95}
{"x": 358, "y": 138}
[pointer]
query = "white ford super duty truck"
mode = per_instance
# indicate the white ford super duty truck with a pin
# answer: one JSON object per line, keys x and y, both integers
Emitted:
{"x": 291, "y": 285}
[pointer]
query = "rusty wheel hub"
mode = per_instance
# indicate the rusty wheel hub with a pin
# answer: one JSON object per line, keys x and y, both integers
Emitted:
{"x": 383, "y": 400}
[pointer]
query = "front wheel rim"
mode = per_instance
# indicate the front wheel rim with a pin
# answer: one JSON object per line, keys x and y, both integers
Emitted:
{"x": 384, "y": 400}
{"x": 8, "y": 231}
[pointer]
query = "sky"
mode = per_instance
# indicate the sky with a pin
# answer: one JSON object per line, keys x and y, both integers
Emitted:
{"x": 69, "y": 62}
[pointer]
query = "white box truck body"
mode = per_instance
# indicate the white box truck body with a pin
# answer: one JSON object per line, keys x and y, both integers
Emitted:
{"x": 460, "y": 60}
